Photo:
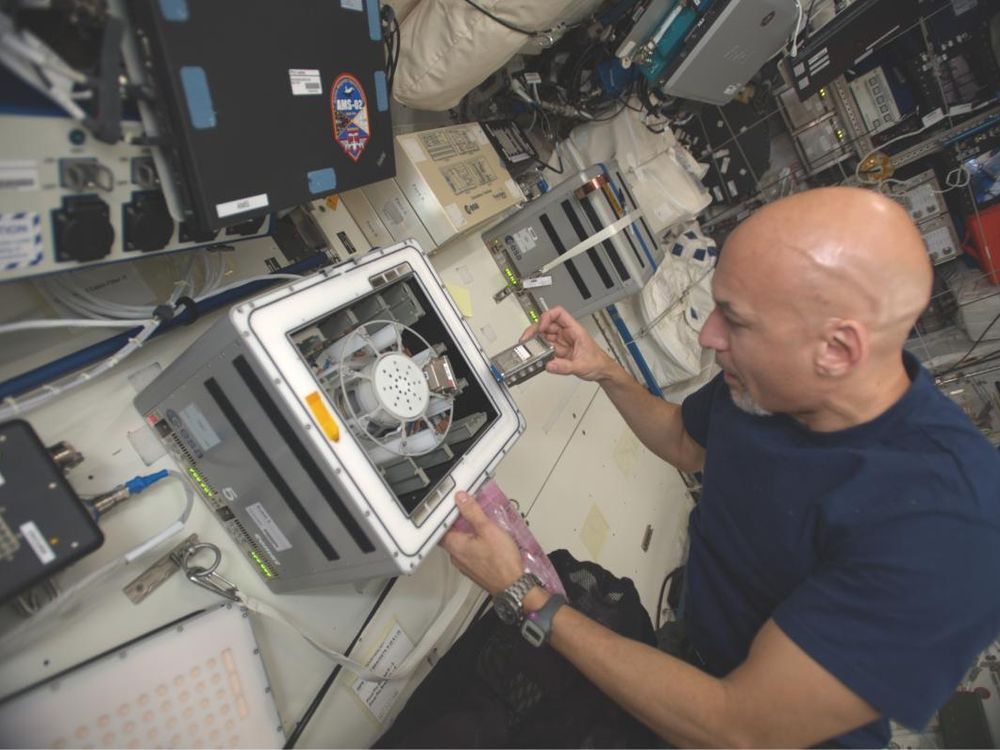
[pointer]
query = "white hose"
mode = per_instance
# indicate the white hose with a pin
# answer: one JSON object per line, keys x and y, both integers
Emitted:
{"x": 68, "y": 597}
{"x": 26, "y": 325}
{"x": 446, "y": 616}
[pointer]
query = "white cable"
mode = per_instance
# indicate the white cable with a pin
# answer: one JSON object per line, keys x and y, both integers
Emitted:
{"x": 26, "y": 325}
{"x": 798, "y": 28}
{"x": 68, "y": 597}
{"x": 432, "y": 635}
{"x": 17, "y": 407}
{"x": 590, "y": 242}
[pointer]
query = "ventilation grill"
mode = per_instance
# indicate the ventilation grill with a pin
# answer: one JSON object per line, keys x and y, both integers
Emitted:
{"x": 264, "y": 561}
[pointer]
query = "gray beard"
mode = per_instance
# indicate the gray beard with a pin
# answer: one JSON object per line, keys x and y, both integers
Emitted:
{"x": 745, "y": 402}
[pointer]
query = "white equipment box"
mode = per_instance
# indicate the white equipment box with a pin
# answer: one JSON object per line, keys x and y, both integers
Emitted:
{"x": 329, "y": 422}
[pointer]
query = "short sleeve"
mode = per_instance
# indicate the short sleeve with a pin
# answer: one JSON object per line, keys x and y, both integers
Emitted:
{"x": 696, "y": 410}
{"x": 901, "y": 612}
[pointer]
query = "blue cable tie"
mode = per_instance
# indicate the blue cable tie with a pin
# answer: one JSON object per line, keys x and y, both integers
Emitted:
{"x": 138, "y": 483}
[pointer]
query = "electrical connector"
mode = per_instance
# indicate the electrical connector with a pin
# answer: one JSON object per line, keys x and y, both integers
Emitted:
{"x": 103, "y": 503}
{"x": 138, "y": 483}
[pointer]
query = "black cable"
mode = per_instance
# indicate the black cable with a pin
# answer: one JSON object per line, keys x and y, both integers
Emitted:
{"x": 561, "y": 168}
{"x": 505, "y": 24}
{"x": 972, "y": 348}
{"x": 663, "y": 589}
{"x": 513, "y": 27}
{"x": 325, "y": 687}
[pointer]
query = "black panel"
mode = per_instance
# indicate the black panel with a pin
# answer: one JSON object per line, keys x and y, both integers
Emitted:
{"x": 261, "y": 457}
{"x": 561, "y": 250}
{"x": 608, "y": 246}
{"x": 304, "y": 457}
{"x": 44, "y": 525}
{"x": 602, "y": 271}
{"x": 236, "y": 124}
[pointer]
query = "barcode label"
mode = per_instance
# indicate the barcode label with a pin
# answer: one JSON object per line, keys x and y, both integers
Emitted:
{"x": 241, "y": 205}
{"x": 305, "y": 82}
{"x": 19, "y": 175}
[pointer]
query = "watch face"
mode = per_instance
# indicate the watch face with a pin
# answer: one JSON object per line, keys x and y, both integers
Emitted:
{"x": 506, "y": 609}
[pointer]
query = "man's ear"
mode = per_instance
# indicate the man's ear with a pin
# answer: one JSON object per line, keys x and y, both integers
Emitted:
{"x": 844, "y": 347}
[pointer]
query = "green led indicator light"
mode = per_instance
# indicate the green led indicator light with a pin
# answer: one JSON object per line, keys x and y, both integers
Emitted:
{"x": 533, "y": 315}
{"x": 510, "y": 276}
{"x": 202, "y": 484}
{"x": 261, "y": 564}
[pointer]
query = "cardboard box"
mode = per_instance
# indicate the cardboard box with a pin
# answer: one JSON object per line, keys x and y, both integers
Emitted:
{"x": 453, "y": 179}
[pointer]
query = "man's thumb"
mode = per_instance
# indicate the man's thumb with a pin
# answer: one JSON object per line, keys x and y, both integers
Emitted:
{"x": 471, "y": 511}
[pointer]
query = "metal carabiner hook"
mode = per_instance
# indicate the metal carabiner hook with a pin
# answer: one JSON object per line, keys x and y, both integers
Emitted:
{"x": 206, "y": 577}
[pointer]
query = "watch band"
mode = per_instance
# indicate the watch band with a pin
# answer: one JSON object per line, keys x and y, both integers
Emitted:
{"x": 509, "y": 603}
{"x": 537, "y": 626}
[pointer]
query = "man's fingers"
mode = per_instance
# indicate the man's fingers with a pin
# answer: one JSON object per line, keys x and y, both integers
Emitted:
{"x": 559, "y": 366}
{"x": 529, "y": 332}
{"x": 471, "y": 511}
{"x": 453, "y": 541}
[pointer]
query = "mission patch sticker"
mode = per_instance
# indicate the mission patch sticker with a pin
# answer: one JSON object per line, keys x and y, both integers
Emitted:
{"x": 351, "y": 127}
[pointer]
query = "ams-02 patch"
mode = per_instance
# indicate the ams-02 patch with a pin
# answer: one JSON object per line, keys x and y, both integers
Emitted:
{"x": 351, "y": 126}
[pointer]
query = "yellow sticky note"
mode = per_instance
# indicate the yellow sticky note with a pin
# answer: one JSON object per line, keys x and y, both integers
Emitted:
{"x": 462, "y": 297}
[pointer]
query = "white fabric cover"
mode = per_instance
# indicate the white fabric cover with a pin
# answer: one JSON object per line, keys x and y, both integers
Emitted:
{"x": 667, "y": 316}
{"x": 449, "y": 47}
{"x": 662, "y": 176}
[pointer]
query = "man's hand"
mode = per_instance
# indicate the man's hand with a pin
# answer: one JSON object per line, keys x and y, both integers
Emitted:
{"x": 576, "y": 351}
{"x": 489, "y": 555}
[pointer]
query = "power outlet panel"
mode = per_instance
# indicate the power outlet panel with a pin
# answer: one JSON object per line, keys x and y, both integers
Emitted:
{"x": 68, "y": 200}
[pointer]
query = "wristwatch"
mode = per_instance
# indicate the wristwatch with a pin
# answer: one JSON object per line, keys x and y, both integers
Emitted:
{"x": 509, "y": 603}
{"x": 537, "y": 626}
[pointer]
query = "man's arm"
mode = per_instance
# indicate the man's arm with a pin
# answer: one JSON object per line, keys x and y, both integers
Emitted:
{"x": 778, "y": 697}
{"x": 657, "y": 423}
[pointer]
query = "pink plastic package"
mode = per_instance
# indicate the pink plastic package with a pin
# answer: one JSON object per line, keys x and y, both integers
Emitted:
{"x": 500, "y": 510}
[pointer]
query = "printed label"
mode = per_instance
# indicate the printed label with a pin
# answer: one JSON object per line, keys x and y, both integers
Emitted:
{"x": 526, "y": 239}
{"x": 20, "y": 240}
{"x": 536, "y": 281}
{"x": 38, "y": 543}
{"x": 522, "y": 352}
{"x": 305, "y": 82}
{"x": 349, "y": 105}
{"x": 241, "y": 205}
{"x": 268, "y": 527}
{"x": 379, "y": 697}
{"x": 19, "y": 175}
{"x": 198, "y": 426}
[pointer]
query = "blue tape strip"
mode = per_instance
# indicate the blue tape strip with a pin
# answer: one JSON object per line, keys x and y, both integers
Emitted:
{"x": 322, "y": 180}
{"x": 633, "y": 349}
{"x": 381, "y": 91}
{"x": 374, "y": 23}
{"x": 199, "y": 98}
{"x": 175, "y": 10}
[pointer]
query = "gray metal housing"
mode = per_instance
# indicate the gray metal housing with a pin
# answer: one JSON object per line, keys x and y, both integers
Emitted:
{"x": 306, "y": 509}
{"x": 562, "y": 218}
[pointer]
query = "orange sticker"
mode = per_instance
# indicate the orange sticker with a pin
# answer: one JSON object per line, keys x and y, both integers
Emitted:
{"x": 323, "y": 416}
{"x": 332, "y": 201}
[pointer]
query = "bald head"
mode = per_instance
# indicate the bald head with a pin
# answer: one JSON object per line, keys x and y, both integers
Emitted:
{"x": 838, "y": 252}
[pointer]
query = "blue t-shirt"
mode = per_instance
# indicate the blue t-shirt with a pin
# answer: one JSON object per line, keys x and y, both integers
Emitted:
{"x": 876, "y": 548}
